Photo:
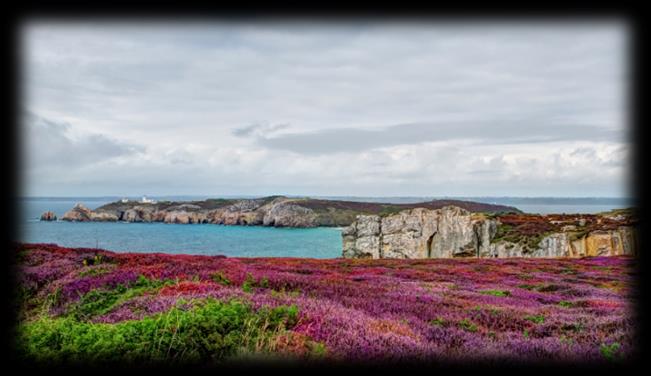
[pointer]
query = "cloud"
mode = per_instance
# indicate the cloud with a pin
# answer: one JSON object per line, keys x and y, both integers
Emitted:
{"x": 258, "y": 130}
{"x": 49, "y": 145}
{"x": 389, "y": 108}
{"x": 337, "y": 140}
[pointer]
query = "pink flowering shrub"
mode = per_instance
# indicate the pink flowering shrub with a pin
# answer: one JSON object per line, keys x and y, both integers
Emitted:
{"x": 575, "y": 310}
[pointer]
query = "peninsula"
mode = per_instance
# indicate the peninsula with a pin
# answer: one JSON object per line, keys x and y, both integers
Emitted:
{"x": 276, "y": 211}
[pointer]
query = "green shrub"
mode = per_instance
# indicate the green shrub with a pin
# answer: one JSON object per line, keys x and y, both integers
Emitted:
{"x": 496, "y": 292}
{"x": 210, "y": 331}
{"x": 249, "y": 283}
{"x": 437, "y": 321}
{"x": 101, "y": 301}
{"x": 467, "y": 325}
{"x": 538, "y": 319}
{"x": 611, "y": 351}
{"x": 220, "y": 278}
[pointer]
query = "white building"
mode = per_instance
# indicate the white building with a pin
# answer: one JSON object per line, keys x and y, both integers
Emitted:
{"x": 145, "y": 200}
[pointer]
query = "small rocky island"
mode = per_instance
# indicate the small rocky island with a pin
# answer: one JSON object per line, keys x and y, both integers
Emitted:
{"x": 277, "y": 211}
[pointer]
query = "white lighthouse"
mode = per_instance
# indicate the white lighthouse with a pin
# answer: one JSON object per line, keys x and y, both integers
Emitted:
{"x": 145, "y": 200}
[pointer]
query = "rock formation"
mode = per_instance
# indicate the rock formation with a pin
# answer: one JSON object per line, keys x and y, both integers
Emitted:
{"x": 455, "y": 232}
{"x": 277, "y": 211}
{"x": 48, "y": 216}
{"x": 79, "y": 213}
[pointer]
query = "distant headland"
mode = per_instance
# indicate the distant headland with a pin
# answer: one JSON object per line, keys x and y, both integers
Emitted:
{"x": 277, "y": 211}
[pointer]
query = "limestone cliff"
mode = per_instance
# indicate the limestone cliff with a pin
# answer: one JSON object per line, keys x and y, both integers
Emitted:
{"x": 455, "y": 232}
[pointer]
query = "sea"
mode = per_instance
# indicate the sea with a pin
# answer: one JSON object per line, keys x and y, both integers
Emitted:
{"x": 234, "y": 241}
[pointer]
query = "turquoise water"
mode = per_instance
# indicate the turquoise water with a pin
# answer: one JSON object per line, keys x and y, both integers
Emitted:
{"x": 203, "y": 239}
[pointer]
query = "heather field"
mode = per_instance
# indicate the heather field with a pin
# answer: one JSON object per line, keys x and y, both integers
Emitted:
{"x": 88, "y": 305}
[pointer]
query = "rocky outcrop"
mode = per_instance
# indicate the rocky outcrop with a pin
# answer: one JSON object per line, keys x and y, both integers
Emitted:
{"x": 275, "y": 211}
{"x": 419, "y": 233}
{"x": 48, "y": 216}
{"x": 103, "y": 217}
{"x": 245, "y": 212}
{"x": 79, "y": 213}
{"x": 184, "y": 217}
{"x": 139, "y": 213}
{"x": 289, "y": 214}
{"x": 454, "y": 232}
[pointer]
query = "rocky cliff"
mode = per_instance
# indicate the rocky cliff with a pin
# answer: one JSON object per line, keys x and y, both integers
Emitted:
{"x": 455, "y": 232}
{"x": 277, "y": 211}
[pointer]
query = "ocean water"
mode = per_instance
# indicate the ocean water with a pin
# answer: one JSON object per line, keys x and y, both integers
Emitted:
{"x": 208, "y": 239}
{"x": 198, "y": 239}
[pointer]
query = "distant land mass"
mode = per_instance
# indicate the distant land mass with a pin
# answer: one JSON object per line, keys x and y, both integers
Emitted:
{"x": 276, "y": 211}
{"x": 497, "y": 200}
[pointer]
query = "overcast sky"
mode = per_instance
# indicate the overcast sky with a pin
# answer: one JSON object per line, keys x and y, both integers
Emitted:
{"x": 359, "y": 108}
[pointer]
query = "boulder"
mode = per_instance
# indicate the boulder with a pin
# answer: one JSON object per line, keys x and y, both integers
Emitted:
{"x": 48, "y": 216}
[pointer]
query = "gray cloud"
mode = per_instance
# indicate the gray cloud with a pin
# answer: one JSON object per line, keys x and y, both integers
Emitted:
{"x": 258, "y": 130}
{"x": 49, "y": 145}
{"x": 389, "y": 107}
{"x": 355, "y": 139}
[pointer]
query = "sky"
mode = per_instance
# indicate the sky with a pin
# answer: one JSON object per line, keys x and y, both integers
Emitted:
{"x": 358, "y": 108}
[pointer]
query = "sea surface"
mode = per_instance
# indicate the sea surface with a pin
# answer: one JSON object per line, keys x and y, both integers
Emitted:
{"x": 197, "y": 239}
{"x": 234, "y": 241}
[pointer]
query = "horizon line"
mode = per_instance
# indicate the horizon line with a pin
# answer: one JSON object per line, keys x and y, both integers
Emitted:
{"x": 317, "y": 196}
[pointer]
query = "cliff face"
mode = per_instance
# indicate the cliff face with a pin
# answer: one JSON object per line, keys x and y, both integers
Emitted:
{"x": 455, "y": 232}
{"x": 274, "y": 211}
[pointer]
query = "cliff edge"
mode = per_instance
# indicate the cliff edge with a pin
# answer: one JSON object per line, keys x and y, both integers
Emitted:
{"x": 455, "y": 232}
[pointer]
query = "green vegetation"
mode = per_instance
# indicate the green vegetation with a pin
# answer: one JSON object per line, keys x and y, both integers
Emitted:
{"x": 250, "y": 283}
{"x": 210, "y": 331}
{"x": 99, "y": 301}
{"x": 220, "y": 278}
{"x": 468, "y": 325}
{"x": 513, "y": 234}
{"x": 96, "y": 260}
{"x": 566, "y": 304}
{"x": 501, "y": 293}
{"x": 94, "y": 272}
{"x": 437, "y": 321}
{"x": 538, "y": 319}
{"x": 610, "y": 352}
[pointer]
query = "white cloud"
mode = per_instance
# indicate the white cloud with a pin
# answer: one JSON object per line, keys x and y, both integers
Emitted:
{"x": 309, "y": 108}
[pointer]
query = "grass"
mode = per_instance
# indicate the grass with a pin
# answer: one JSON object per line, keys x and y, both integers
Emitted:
{"x": 468, "y": 325}
{"x": 502, "y": 293}
{"x": 98, "y": 302}
{"x": 610, "y": 352}
{"x": 566, "y": 304}
{"x": 209, "y": 332}
{"x": 437, "y": 321}
{"x": 220, "y": 278}
{"x": 538, "y": 319}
